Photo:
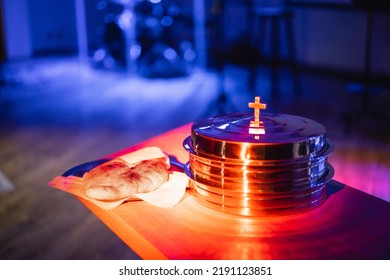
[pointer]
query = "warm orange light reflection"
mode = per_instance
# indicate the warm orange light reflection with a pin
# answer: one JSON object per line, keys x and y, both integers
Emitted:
{"x": 244, "y": 156}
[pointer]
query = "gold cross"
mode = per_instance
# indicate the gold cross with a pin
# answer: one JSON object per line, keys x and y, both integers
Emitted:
{"x": 257, "y": 106}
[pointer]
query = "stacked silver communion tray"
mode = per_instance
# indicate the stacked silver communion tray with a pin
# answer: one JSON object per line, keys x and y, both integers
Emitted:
{"x": 254, "y": 165}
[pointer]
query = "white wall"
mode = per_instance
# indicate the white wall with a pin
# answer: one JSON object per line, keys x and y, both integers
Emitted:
{"x": 17, "y": 29}
{"x": 53, "y": 25}
{"x": 37, "y": 26}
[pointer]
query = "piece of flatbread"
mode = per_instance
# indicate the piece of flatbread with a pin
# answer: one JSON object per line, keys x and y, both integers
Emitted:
{"x": 116, "y": 179}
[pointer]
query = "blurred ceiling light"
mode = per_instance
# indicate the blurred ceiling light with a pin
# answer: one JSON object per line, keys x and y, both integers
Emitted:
{"x": 125, "y": 19}
{"x": 170, "y": 54}
{"x": 189, "y": 55}
{"x": 151, "y": 22}
{"x": 135, "y": 51}
{"x": 99, "y": 55}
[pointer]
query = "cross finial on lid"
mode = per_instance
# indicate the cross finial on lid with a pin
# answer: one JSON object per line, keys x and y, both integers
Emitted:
{"x": 257, "y": 106}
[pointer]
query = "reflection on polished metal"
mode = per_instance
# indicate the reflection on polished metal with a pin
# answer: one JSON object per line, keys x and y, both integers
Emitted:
{"x": 286, "y": 137}
{"x": 248, "y": 211}
{"x": 259, "y": 164}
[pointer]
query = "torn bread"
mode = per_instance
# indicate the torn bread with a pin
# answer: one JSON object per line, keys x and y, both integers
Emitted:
{"x": 117, "y": 179}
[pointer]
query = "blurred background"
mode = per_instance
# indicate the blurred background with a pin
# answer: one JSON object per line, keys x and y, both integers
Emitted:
{"x": 82, "y": 79}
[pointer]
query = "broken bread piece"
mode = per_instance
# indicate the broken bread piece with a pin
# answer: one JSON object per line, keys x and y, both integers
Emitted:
{"x": 117, "y": 179}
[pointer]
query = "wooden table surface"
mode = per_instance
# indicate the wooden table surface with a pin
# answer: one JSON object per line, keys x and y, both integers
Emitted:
{"x": 349, "y": 225}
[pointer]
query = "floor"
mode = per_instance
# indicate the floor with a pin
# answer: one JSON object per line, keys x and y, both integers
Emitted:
{"x": 56, "y": 113}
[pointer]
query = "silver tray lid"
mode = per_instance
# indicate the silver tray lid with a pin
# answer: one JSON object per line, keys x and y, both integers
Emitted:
{"x": 269, "y": 137}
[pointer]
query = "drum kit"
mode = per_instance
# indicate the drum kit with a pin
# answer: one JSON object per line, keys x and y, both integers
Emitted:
{"x": 143, "y": 38}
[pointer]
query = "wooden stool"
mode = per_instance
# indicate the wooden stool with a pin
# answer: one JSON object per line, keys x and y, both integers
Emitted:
{"x": 275, "y": 20}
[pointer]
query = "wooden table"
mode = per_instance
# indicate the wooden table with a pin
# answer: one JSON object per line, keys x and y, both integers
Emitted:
{"x": 349, "y": 225}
